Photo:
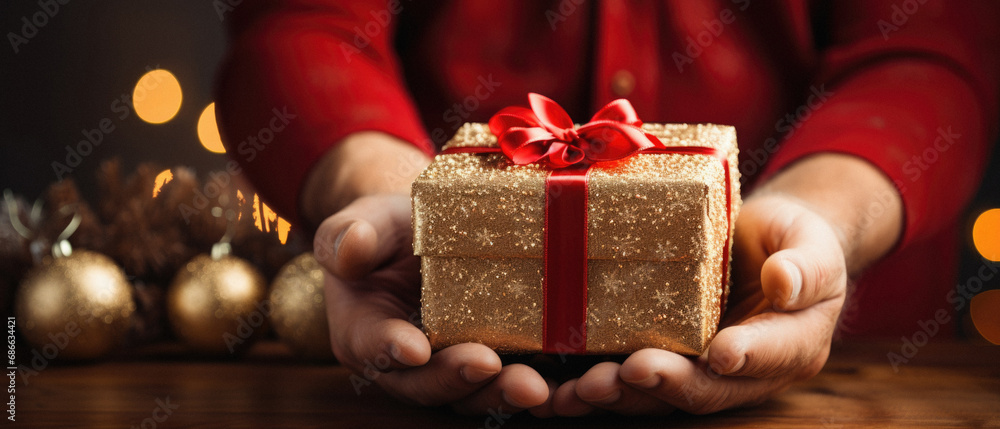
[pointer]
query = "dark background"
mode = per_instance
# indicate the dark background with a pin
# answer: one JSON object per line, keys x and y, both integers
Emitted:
{"x": 89, "y": 54}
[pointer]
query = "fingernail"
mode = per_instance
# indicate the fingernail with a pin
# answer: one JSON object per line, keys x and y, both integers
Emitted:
{"x": 473, "y": 375}
{"x": 649, "y": 382}
{"x": 610, "y": 399}
{"x": 512, "y": 402}
{"x": 796, "y": 276}
{"x": 738, "y": 365}
{"x": 340, "y": 238}
{"x": 397, "y": 353}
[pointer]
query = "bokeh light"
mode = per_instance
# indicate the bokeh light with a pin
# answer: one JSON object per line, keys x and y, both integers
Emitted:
{"x": 986, "y": 234}
{"x": 163, "y": 178}
{"x": 985, "y": 315}
{"x": 266, "y": 219}
{"x": 208, "y": 131}
{"x": 157, "y": 96}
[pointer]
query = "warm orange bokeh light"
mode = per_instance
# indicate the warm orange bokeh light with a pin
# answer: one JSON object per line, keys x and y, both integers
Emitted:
{"x": 157, "y": 96}
{"x": 985, "y": 313}
{"x": 264, "y": 218}
{"x": 163, "y": 178}
{"x": 986, "y": 234}
{"x": 208, "y": 131}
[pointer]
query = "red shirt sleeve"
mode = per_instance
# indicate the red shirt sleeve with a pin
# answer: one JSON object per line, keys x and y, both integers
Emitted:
{"x": 910, "y": 86}
{"x": 324, "y": 69}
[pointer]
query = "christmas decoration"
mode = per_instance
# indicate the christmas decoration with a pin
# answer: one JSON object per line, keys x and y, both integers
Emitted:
{"x": 74, "y": 304}
{"x": 539, "y": 236}
{"x": 15, "y": 260}
{"x": 217, "y": 303}
{"x": 80, "y": 303}
{"x": 298, "y": 308}
{"x": 150, "y": 223}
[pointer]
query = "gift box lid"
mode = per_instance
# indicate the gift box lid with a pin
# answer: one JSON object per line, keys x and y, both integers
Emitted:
{"x": 655, "y": 207}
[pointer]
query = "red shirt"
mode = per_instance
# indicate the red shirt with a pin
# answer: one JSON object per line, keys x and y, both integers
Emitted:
{"x": 909, "y": 85}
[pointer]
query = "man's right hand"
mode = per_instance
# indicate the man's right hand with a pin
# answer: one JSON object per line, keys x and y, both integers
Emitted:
{"x": 372, "y": 283}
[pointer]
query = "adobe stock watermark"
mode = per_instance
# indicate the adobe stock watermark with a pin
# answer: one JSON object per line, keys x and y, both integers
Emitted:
{"x": 94, "y": 137}
{"x": 696, "y": 389}
{"x": 222, "y": 7}
{"x": 900, "y": 15}
{"x": 459, "y": 112}
{"x": 47, "y": 9}
{"x": 363, "y": 35}
{"x": 11, "y": 373}
{"x": 495, "y": 418}
{"x": 918, "y": 164}
{"x": 371, "y": 369}
{"x": 454, "y": 116}
{"x": 248, "y": 149}
{"x": 713, "y": 30}
{"x": 913, "y": 169}
{"x": 788, "y": 124}
{"x": 59, "y": 340}
{"x": 325, "y": 247}
{"x": 561, "y": 12}
{"x": 575, "y": 341}
{"x": 246, "y": 326}
{"x": 958, "y": 297}
{"x": 163, "y": 410}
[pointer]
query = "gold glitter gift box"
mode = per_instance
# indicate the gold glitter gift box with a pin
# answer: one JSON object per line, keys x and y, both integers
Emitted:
{"x": 658, "y": 235}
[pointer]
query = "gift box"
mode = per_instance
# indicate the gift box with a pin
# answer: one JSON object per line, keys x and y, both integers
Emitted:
{"x": 540, "y": 236}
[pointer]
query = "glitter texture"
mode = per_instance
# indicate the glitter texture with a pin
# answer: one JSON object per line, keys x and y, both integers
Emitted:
{"x": 656, "y": 231}
{"x": 86, "y": 293}
{"x": 298, "y": 307}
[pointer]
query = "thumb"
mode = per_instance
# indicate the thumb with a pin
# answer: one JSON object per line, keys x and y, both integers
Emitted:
{"x": 808, "y": 266}
{"x": 364, "y": 235}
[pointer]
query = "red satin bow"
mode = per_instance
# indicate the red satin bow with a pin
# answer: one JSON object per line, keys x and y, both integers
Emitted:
{"x": 545, "y": 134}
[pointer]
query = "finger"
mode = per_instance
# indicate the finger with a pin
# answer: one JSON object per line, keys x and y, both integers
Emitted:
{"x": 808, "y": 264}
{"x": 363, "y": 235}
{"x": 546, "y": 409}
{"x": 776, "y": 344}
{"x": 602, "y": 387}
{"x": 518, "y": 387}
{"x": 451, "y": 374}
{"x": 690, "y": 385}
{"x": 566, "y": 403}
{"x": 371, "y": 327}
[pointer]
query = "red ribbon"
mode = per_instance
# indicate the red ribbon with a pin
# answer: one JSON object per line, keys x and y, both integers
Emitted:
{"x": 546, "y": 135}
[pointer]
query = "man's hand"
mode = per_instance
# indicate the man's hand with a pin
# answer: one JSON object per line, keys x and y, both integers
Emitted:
{"x": 792, "y": 257}
{"x": 797, "y": 239}
{"x": 372, "y": 283}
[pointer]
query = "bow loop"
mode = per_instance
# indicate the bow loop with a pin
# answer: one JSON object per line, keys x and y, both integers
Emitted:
{"x": 545, "y": 134}
{"x": 549, "y": 113}
{"x": 619, "y": 110}
{"x": 511, "y": 117}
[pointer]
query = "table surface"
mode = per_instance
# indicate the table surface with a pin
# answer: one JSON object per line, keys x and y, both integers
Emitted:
{"x": 943, "y": 385}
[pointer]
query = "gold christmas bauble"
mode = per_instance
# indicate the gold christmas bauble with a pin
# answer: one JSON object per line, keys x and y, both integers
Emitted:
{"x": 75, "y": 307}
{"x": 298, "y": 308}
{"x": 218, "y": 306}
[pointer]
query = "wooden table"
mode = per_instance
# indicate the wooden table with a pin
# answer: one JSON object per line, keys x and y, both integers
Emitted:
{"x": 952, "y": 384}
